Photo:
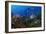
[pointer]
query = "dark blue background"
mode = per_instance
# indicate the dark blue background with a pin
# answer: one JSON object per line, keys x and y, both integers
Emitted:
{"x": 22, "y": 10}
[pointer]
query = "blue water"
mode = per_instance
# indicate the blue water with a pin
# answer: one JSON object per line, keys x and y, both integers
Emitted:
{"x": 22, "y": 10}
